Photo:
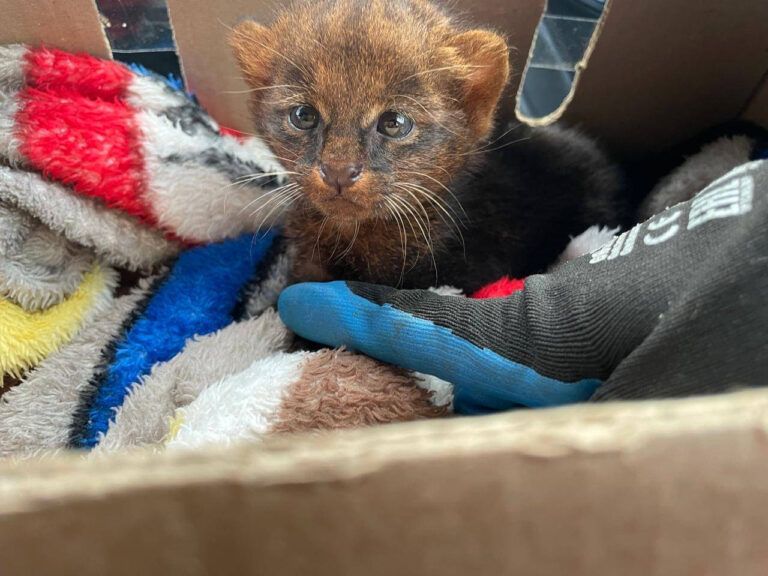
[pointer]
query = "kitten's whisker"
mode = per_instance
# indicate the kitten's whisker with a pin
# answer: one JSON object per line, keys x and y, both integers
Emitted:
{"x": 448, "y": 174}
{"x": 221, "y": 23}
{"x": 424, "y": 231}
{"x": 512, "y": 129}
{"x": 227, "y": 189}
{"x": 275, "y": 198}
{"x": 253, "y": 177}
{"x": 434, "y": 198}
{"x": 443, "y": 186}
{"x": 253, "y": 135}
{"x": 484, "y": 150}
{"x": 351, "y": 243}
{"x": 398, "y": 211}
{"x": 336, "y": 244}
{"x": 254, "y": 181}
{"x": 276, "y": 192}
{"x": 284, "y": 159}
{"x": 403, "y": 238}
{"x": 444, "y": 208}
{"x": 319, "y": 235}
{"x": 259, "y": 197}
{"x": 293, "y": 98}
{"x": 284, "y": 148}
{"x": 284, "y": 204}
{"x": 396, "y": 202}
{"x": 405, "y": 188}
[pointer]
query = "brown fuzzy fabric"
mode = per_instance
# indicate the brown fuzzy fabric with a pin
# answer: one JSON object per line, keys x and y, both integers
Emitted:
{"x": 338, "y": 389}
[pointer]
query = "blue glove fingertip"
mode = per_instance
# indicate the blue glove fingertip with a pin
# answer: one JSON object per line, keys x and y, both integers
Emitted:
{"x": 313, "y": 310}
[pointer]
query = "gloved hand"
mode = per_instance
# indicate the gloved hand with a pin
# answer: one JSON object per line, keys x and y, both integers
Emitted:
{"x": 673, "y": 307}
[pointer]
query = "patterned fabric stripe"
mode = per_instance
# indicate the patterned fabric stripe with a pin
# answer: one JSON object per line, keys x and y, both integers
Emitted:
{"x": 36, "y": 416}
{"x": 26, "y": 338}
{"x": 197, "y": 298}
{"x": 38, "y": 268}
{"x": 263, "y": 290}
{"x": 58, "y": 71}
{"x": 145, "y": 415}
{"x": 100, "y": 156}
{"x": 302, "y": 392}
{"x": 119, "y": 239}
{"x": 11, "y": 81}
{"x": 243, "y": 406}
{"x": 80, "y": 417}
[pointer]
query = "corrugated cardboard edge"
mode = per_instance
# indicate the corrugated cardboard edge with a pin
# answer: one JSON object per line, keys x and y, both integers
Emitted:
{"x": 633, "y": 488}
{"x": 581, "y": 65}
{"x": 657, "y": 72}
{"x": 72, "y": 25}
{"x": 200, "y": 29}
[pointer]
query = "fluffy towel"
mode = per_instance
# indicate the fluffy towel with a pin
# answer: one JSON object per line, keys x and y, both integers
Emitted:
{"x": 38, "y": 268}
{"x": 133, "y": 142}
{"x": 145, "y": 415}
{"x": 300, "y": 392}
{"x": 26, "y": 337}
{"x": 198, "y": 297}
{"x": 36, "y": 416}
{"x": 117, "y": 238}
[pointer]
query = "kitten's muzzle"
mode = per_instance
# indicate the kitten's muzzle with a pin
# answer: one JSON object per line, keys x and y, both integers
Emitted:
{"x": 340, "y": 175}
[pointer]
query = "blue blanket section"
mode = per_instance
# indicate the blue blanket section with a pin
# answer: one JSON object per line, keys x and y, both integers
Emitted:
{"x": 197, "y": 298}
{"x": 173, "y": 82}
{"x": 483, "y": 380}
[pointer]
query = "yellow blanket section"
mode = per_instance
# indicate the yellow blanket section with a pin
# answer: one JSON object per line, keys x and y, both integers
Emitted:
{"x": 26, "y": 338}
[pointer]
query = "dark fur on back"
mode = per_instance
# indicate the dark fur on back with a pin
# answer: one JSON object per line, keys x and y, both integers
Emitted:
{"x": 516, "y": 196}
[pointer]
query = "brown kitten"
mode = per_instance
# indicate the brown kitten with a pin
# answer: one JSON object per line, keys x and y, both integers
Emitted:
{"x": 384, "y": 108}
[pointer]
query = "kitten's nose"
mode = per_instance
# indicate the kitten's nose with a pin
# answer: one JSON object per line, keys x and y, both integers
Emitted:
{"x": 340, "y": 175}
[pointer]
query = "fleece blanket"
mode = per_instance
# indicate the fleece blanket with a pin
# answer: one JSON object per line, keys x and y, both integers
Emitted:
{"x": 137, "y": 289}
{"x": 137, "y": 293}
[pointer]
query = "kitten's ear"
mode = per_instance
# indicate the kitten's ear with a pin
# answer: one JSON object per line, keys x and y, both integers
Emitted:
{"x": 250, "y": 43}
{"x": 487, "y": 58}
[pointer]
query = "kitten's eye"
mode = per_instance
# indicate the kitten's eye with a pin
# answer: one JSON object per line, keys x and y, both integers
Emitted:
{"x": 304, "y": 117}
{"x": 394, "y": 124}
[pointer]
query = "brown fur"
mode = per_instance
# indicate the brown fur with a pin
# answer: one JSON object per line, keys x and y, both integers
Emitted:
{"x": 352, "y": 60}
{"x": 338, "y": 389}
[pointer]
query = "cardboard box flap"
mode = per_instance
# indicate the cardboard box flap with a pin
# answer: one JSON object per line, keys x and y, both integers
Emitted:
{"x": 638, "y": 488}
{"x": 657, "y": 72}
{"x": 201, "y": 28}
{"x": 72, "y": 25}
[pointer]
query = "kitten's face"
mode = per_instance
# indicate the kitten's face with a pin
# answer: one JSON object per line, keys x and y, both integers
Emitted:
{"x": 372, "y": 103}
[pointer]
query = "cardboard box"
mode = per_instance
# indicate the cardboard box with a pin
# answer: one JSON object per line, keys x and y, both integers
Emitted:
{"x": 649, "y": 488}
